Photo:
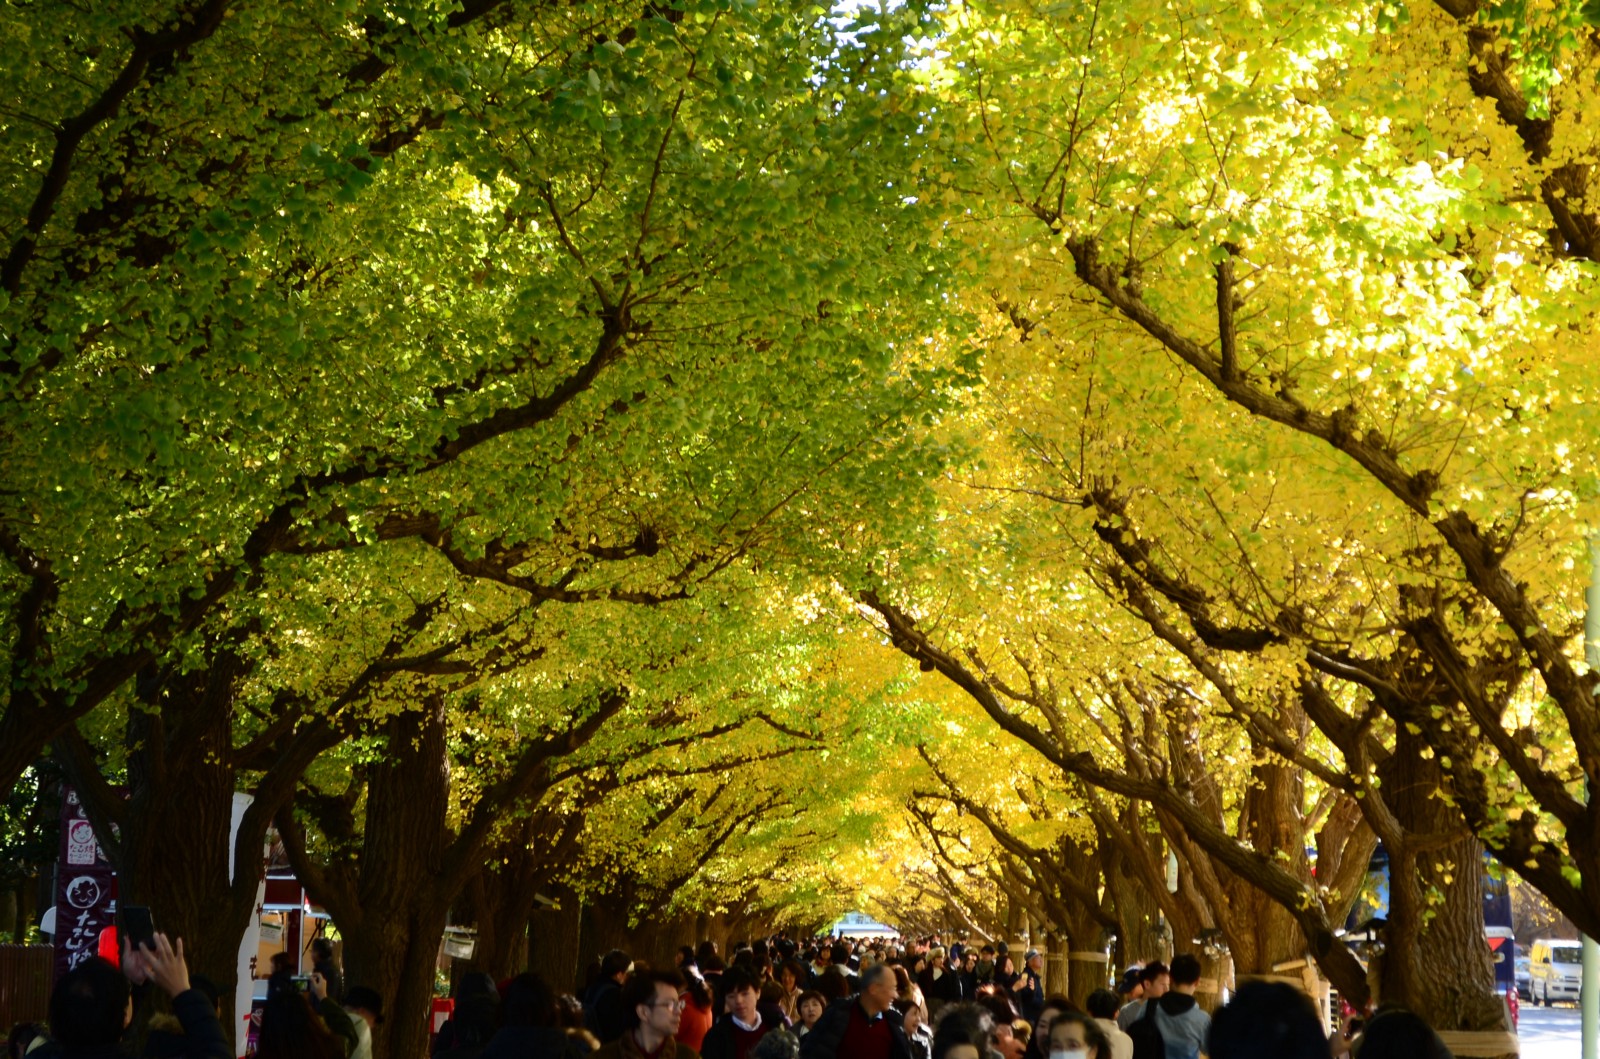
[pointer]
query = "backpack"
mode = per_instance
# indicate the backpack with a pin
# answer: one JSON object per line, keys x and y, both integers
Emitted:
{"x": 1147, "y": 1040}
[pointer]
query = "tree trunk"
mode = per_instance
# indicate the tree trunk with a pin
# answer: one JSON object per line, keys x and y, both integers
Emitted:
{"x": 1435, "y": 959}
{"x": 553, "y": 941}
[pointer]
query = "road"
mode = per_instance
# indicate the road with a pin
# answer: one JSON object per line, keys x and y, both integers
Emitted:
{"x": 1550, "y": 1033}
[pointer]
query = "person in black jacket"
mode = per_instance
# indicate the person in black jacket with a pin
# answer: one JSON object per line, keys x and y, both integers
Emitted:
{"x": 604, "y": 1014}
{"x": 857, "y": 1027}
{"x": 92, "y": 1006}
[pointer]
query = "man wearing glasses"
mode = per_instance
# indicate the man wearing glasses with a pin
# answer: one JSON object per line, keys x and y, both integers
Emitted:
{"x": 653, "y": 1010}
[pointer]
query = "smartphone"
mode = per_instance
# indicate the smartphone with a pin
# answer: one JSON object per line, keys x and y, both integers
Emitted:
{"x": 138, "y": 926}
{"x": 302, "y": 982}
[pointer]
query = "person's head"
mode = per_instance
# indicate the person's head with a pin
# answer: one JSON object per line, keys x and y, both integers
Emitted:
{"x": 833, "y": 985}
{"x": 962, "y": 1032}
{"x": 1034, "y": 961}
{"x": 1185, "y": 972}
{"x": 1155, "y": 979}
{"x": 615, "y": 965}
{"x": 22, "y": 1035}
{"x": 364, "y": 1001}
{"x": 779, "y": 1044}
{"x": 790, "y": 974}
{"x": 910, "y": 1014}
{"x": 1266, "y": 1020}
{"x": 1395, "y": 1033}
{"x": 1103, "y": 1004}
{"x": 529, "y": 1002}
{"x": 810, "y": 1005}
{"x": 741, "y": 992}
{"x": 1054, "y": 1008}
{"x": 321, "y": 949}
{"x": 840, "y": 956}
{"x": 936, "y": 956}
{"x": 1075, "y": 1036}
{"x": 1131, "y": 986}
{"x": 91, "y": 1005}
{"x": 878, "y": 992}
{"x": 291, "y": 1030}
{"x": 282, "y": 963}
{"x": 1004, "y": 1041}
{"x": 1004, "y": 965}
{"x": 207, "y": 988}
{"x": 969, "y": 960}
{"x": 684, "y": 957}
{"x": 651, "y": 1002}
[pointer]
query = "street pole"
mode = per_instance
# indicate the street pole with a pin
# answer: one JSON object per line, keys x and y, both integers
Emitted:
{"x": 1589, "y": 996}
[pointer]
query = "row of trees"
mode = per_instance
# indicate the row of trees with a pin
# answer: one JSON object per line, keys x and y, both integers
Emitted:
{"x": 428, "y": 419}
{"x": 1278, "y": 542}
{"x": 477, "y": 431}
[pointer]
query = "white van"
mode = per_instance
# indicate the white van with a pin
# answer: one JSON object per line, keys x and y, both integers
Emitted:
{"x": 1555, "y": 970}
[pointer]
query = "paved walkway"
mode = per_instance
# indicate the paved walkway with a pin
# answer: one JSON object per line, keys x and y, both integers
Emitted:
{"x": 1550, "y": 1033}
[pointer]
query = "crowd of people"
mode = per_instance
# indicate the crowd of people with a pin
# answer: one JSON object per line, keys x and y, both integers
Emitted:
{"x": 883, "y": 999}
{"x": 771, "y": 999}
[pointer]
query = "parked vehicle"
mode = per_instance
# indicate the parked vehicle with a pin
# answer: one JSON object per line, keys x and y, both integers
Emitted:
{"x": 1524, "y": 978}
{"x": 1555, "y": 970}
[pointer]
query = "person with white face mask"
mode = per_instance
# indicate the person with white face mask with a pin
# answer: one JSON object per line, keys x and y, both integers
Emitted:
{"x": 1075, "y": 1036}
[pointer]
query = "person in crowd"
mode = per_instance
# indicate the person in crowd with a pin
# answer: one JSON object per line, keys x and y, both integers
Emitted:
{"x": 969, "y": 973}
{"x": 918, "y": 1034}
{"x": 841, "y": 958}
{"x": 1003, "y": 1040}
{"x": 1075, "y": 1035}
{"x": 655, "y": 1007}
{"x": 529, "y": 1025}
{"x": 810, "y": 1005}
{"x": 1153, "y": 980}
{"x": 323, "y": 963}
{"x": 332, "y": 1014}
{"x": 733, "y": 1036}
{"x": 833, "y": 985}
{"x": 1005, "y": 973}
{"x": 683, "y": 958}
{"x": 1396, "y": 1033}
{"x": 604, "y": 1014}
{"x": 92, "y": 1006}
{"x": 474, "y": 1021}
{"x": 779, "y": 1044}
{"x": 698, "y": 1012}
{"x": 1103, "y": 1006}
{"x": 365, "y": 1008}
{"x": 790, "y": 975}
{"x": 1184, "y": 1025}
{"x": 1266, "y": 1020}
{"x": 25, "y": 1037}
{"x": 280, "y": 976}
{"x": 1038, "y": 1044}
{"x": 933, "y": 975}
{"x": 963, "y": 1032}
{"x": 1022, "y": 1030}
{"x": 164, "y": 1037}
{"x": 984, "y": 968}
{"x": 859, "y": 1027}
{"x": 1029, "y": 989}
{"x": 292, "y": 1029}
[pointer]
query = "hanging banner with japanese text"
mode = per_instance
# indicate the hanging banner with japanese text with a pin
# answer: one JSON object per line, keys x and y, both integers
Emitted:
{"x": 86, "y": 888}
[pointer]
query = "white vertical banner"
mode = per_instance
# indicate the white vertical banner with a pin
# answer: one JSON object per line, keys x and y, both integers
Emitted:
{"x": 250, "y": 944}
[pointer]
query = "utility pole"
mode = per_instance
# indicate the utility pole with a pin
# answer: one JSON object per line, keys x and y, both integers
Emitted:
{"x": 1589, "y": 996}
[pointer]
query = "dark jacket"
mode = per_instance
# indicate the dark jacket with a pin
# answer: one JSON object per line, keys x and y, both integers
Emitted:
{"x": 625, "y": 1047}
{"x": 604, "y": 1014}
{"x": 719, "y": 1042}
{"x": 533, "y": 1042}
{"x": 337, "y": 1019}
{"x": 202, "y": 1036}
{"x": 1029, "y": 994}
{"x": 825, "y": 1037}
